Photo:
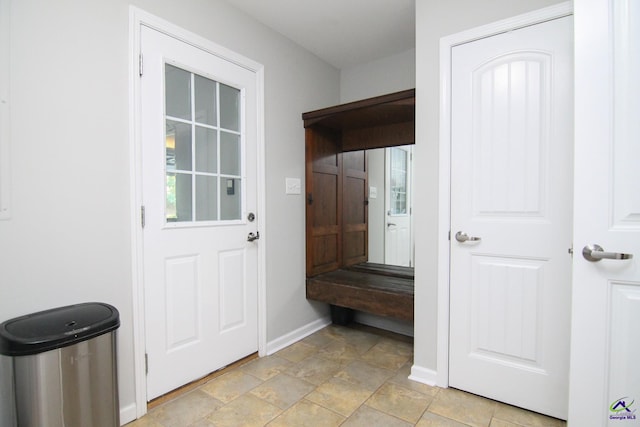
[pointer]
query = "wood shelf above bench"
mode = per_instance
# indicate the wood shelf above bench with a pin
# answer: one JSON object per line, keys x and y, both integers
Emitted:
{"x": 382, "y": 121}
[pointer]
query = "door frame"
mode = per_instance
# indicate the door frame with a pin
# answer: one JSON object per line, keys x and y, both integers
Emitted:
{"x": 444, "y": 182}
{"x": 137, "y": 19}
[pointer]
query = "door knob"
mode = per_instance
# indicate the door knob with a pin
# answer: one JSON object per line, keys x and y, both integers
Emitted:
{"x": 252, "y": 237}
{"x": 595, "y": 253}
{"x": 461, "y": 237}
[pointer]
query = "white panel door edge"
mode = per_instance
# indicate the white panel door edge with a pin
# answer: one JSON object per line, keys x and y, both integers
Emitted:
{"x": 605, "y": 350}
{"x": 137, "y": 19}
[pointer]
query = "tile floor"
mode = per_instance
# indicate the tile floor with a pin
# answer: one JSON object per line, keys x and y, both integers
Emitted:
{"x": 338, "y": 376}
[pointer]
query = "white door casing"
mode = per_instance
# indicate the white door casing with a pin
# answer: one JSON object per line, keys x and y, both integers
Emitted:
{"x": 605, "y": 350}
{"x": 200, "y": 273}
{"x": 398, "y": 206}
{"x": 511, "y": 185}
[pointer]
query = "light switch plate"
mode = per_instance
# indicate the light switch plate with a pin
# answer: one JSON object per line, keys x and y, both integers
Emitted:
{"x": 373, "y": 192}
{"x": 293, "y": 186}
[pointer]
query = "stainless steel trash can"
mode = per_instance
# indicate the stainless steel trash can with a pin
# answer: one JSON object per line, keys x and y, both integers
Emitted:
{"x": 62, "y": 363}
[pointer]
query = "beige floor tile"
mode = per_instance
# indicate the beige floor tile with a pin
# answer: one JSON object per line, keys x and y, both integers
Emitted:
{"x": 231, "y": 385}
{"x": 202, "y": 423}
{"x": 400, "y": 402}
{"x": 333, "y": 374}
{"x": 433, "y": 420}
{"x": 495, "y": 422}
{"x": 246, "y": 410}
{"x": 525, "y": 418}
{"x": 314, "y": 369}
{"x": 283, "y": 390}
{"x": 384, "y": 357}
{"x": 396, "y": 347}
{"x": 365, "y": 375}
{"x": 319, "y": 339}
{"x": 146, "y": 421}
{"x": 340, "y": 396}
{"x": 362, "y": 341}
{"x": 369, "y": 417}
{"x": 402, "y": 378}
{"x": 463, "y": 407}
{"x": 338, "y": 333}
{"x": 339, "y": 351}
{"x": 307, "y": 414}
{"x": 297, "y": 352}
{"x": 267, "y": 367}
{"x": 185, "y": 410}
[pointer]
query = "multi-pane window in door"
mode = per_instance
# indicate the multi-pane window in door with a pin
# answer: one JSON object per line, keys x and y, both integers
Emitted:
{"x": 399, "y": 181}
{"x": 203, "y": 148}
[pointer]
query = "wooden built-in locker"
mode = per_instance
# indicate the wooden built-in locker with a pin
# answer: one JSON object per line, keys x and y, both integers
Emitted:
{"x": 336, "y": 173}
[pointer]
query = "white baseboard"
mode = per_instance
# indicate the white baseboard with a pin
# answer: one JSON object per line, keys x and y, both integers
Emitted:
{"x": 127, "y": 414}
{"x": 297, "y": 335}
{"x": 424, "y": 375}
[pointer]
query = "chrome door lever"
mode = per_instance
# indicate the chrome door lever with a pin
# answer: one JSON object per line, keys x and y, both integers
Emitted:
{"x": 595, "y": 253}
{"x": 252, "y": 237}
{"x": 462, "y": 237}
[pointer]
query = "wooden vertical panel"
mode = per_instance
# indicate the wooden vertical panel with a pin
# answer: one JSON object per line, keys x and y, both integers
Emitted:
{"x": 354, "y": 196}
{"x": 324, "y": 204}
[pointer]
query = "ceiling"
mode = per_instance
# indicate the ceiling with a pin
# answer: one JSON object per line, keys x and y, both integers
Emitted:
{"x": 344, "y": 33}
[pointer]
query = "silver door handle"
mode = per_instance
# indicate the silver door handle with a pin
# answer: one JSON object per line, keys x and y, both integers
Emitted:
{"x": 461, "y": 236}
{"x": 252, "y": 237}
{"x": 389, "y": 224}
{"x": 595, "y": 253}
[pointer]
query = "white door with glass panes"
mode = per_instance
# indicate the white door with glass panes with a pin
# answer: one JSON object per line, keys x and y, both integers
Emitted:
{"x": 511, "y": 216}
{"x": 199, "y": 165}
{"x": 398, "y": 237}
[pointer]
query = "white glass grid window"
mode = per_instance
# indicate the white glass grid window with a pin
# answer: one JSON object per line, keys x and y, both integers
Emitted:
{"x": 399, "y": 181}
{"x": 203, "y": 148}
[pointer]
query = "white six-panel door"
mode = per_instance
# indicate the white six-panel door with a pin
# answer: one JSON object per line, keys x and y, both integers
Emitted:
{"x": 511, "y": 193}
{"x": 605, "y": 350}
{"x": 198, "y": 125}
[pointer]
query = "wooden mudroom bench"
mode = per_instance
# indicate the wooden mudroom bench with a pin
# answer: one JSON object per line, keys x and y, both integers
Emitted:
{"x": 373, "y": 288}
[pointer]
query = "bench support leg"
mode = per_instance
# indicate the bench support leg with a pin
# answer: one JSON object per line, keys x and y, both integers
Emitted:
{"x": 341, "y": 315}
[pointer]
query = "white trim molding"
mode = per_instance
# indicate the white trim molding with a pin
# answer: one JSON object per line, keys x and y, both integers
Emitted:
{"x": 424, "y": 375}
{"x": 295, "y": 336}
{"x": 137, "y": 19}
{"x": 444, "y": 188}
{"x": 5, "y": 109}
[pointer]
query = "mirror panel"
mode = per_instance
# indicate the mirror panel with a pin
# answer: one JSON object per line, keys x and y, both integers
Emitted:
{"x": 390, "y": 219}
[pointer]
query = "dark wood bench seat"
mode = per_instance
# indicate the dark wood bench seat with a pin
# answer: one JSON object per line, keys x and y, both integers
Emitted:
{"x": 373, "y": 288}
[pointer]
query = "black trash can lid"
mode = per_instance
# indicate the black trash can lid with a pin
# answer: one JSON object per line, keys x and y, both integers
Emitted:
{"x": 59, "y": 327}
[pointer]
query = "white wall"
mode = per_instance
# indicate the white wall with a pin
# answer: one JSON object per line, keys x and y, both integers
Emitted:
{"x": 68, "y": 239}
{"x": 386, "y": 75}
{"x": 433, "y": 21}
